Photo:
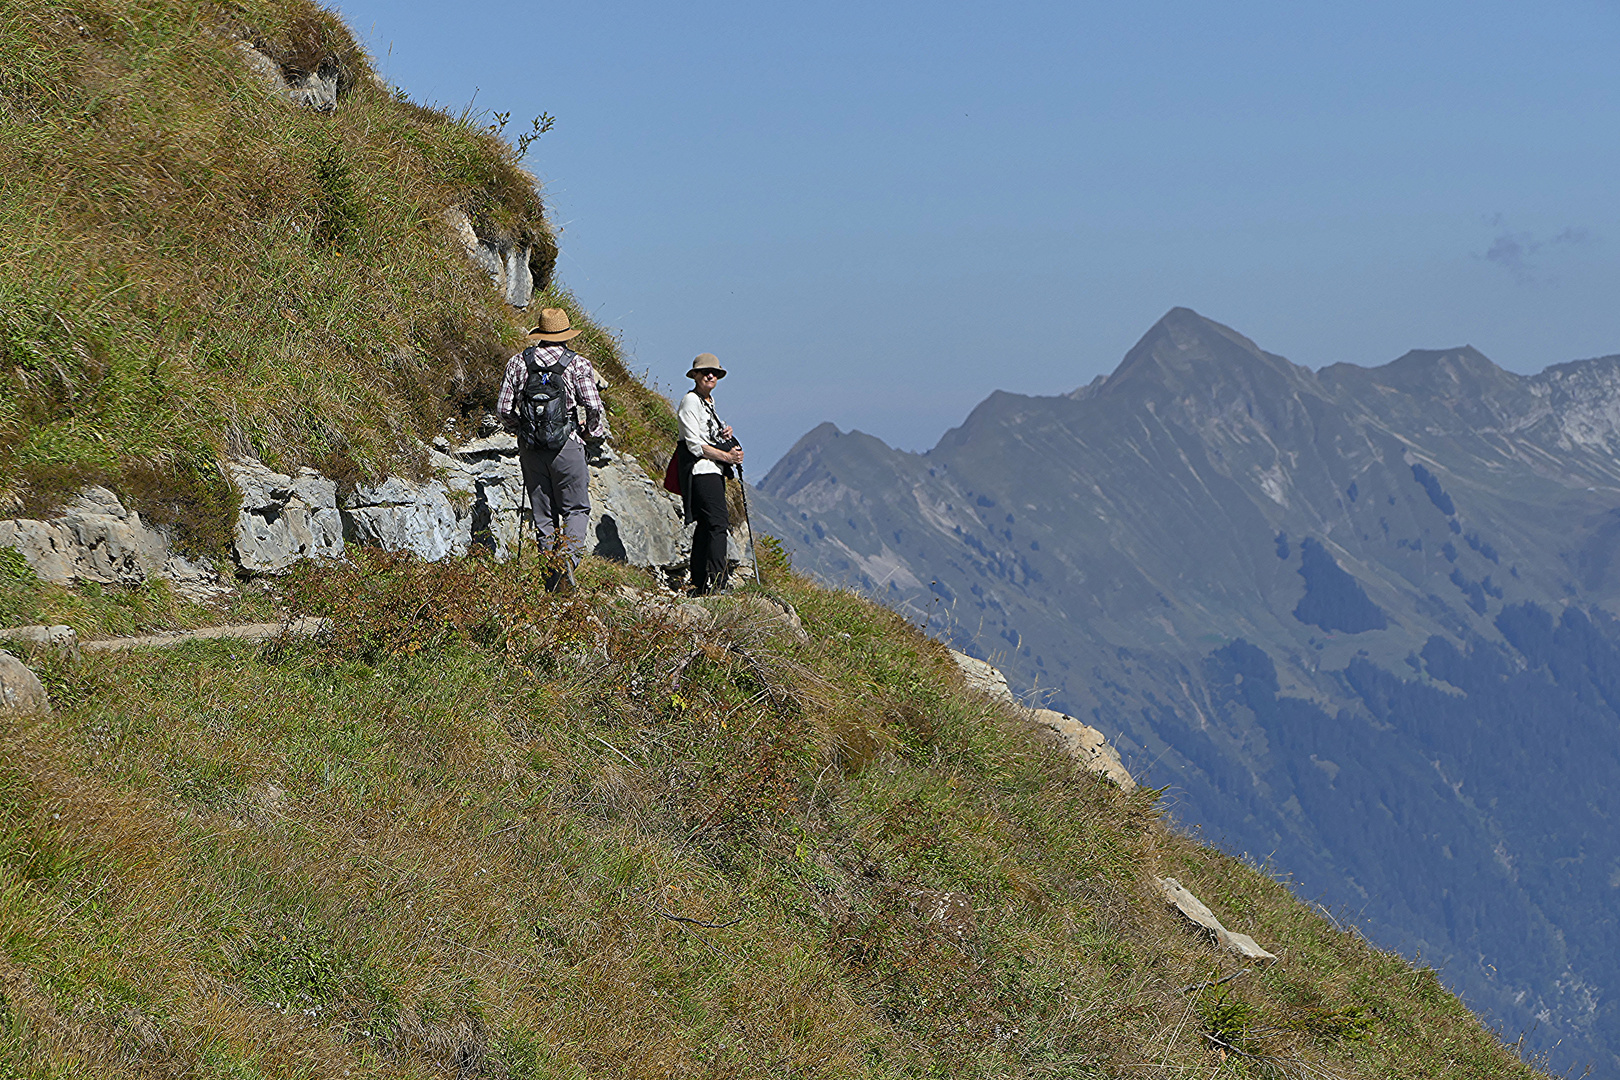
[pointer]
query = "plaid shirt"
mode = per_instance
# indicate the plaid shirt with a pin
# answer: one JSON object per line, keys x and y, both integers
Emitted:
{"x": 579, "y": 388}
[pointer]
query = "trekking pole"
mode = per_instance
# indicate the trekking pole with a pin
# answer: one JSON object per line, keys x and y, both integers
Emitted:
{"x": 517, "y": 541}
{"x": 742, "y": 486}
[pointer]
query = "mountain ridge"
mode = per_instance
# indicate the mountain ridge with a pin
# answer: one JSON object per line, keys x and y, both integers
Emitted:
{"x": 1121, "y": 549}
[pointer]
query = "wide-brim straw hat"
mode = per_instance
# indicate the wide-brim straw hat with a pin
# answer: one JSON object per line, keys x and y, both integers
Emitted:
{"x": 706, "y": 362}
{"x": 553, "y": 327}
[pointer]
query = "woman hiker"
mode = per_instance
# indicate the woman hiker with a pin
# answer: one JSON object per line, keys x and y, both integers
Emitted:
{"x": 713, "y": 451}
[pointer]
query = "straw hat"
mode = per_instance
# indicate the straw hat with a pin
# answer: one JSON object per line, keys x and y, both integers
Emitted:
{"x": 707, "y": 362}
{"x": 553, "y": 327}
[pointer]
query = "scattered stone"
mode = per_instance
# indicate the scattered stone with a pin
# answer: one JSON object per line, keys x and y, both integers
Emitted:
{"x": 268, "y": 71}
{"x": 1198, "y": 913}
{"x": 20, "y": 689}
{"x": 778, "y": 612}
{"x": 668, "y": 607}
{"x": 1084, "y": 743}
{"x": 264, "y": 801}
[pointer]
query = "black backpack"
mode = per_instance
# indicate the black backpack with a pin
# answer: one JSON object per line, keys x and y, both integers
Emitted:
{"x": 544, "y": 422}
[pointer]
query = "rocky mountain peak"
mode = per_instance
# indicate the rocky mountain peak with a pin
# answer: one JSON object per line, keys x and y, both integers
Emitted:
{"x": 1185, "y": 354}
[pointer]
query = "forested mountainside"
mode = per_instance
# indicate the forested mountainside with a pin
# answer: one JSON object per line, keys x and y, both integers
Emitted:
{"x": 1358, "y": 620}
{"x": 457, "y": 825}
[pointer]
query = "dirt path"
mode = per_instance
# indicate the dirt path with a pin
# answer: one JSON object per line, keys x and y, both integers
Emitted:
{"x": 247, "y": 632}
{"x": 239, "y": 632}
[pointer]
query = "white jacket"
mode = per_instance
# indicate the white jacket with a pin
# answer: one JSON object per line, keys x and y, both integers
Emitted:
{"x": 700, "y": 427}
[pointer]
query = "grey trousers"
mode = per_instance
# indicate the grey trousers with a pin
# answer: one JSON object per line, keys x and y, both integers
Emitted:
{"x": 558, "y": 484}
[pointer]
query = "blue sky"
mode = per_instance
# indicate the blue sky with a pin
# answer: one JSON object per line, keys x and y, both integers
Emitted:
{"x": 877, "y": 214}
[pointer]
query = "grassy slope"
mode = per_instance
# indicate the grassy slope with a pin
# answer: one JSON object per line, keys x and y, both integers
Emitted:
{"x": 190, "y": 266}
{"x": 459, "y": 836}
{"x": 453, "y": 837}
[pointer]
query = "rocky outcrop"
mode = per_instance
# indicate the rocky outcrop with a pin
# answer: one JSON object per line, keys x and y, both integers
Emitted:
{"x": 1199, "y": 914}
{"x": 20, "y": 689}
{"x": 985, "y": 678}
{"x": 317, "y": 90}
{"x": 474, "y": 498}
{"x": 282, "y": 518}
{"x": 508, "y": 264}
{"x": 1085, "y": 744}
{"x": 96, "y": 538}
{"x": 634, "y": 520}
{"x": 403, "y": 515}
{"x": 485, "y": 487}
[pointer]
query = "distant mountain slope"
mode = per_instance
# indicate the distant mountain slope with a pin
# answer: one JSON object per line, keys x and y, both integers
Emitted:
{"x": 1354, "y": 617}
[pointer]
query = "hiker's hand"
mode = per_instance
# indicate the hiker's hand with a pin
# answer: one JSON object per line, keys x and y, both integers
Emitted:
{"x": 734, "y": 456}
{"x": 725, "y": 433}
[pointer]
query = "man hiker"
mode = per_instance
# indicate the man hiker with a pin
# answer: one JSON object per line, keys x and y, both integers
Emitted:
{"x": 544, "y": 387}
{"x": 712, "y": 451}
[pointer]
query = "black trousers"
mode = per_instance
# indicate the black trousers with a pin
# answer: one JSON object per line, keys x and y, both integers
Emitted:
{"x": 709, "y": 541}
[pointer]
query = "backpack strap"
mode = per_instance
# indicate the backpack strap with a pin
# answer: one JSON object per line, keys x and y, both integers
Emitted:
{"x": 714, "y": 432}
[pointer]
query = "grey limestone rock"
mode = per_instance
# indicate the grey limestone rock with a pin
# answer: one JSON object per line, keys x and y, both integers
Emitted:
{"x": 985, "y": 678}
{"x": 403, "y": 515}
{"x": 1086, "y": 745}
{"x": 95, "y": 539}
{"x": 268, "y": 71}
{"x": 283, "y": 519}
{"x": 486, "y": 495}
{"x": 476, "y": 499}
{"x": 778, "y": 613}
{"x": 506, "y": 263}
{"x": 634, "y": 520}
{"x": 317, "y": 90}
{"x": 1199, "y": 914}
{"x": 20, "y": 689}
